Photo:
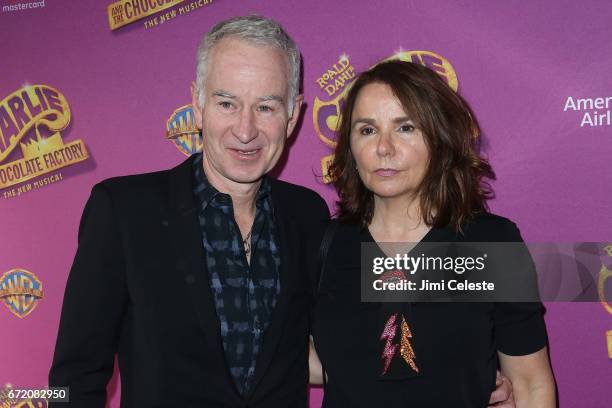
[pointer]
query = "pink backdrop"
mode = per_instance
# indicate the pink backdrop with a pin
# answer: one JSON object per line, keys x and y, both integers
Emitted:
{"x": 516, "y": 63}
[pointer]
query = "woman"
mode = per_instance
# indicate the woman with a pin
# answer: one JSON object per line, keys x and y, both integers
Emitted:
{"x": 406, "y": 169}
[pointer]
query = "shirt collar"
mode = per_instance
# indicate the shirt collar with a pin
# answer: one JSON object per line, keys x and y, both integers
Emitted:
{"x": 205, "y": 192}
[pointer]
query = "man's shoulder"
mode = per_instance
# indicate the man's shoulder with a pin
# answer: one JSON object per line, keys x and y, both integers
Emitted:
{"x": 128, "y": 183}
{"x": 285, "y": 187}
{"x": 144, "y": 186}
{"x": 298, "y": 198}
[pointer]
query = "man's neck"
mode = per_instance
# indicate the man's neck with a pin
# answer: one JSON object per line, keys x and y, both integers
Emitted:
{"x": 243, "y": 195}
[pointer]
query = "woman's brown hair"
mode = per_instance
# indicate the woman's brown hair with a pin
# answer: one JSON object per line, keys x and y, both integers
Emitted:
{"x": 454, "y": 187}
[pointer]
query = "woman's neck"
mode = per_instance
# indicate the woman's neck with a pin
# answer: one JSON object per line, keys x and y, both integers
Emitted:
{"x": 397, "y": 220}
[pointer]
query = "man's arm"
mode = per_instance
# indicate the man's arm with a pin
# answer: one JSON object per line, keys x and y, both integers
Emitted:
{"x": 502, "y": 396}
{"x": 93, "y": 308}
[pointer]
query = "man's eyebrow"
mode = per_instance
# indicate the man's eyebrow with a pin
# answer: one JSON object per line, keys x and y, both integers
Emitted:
{"x": 224, "y": 94}
{"x": 271, "y": 98}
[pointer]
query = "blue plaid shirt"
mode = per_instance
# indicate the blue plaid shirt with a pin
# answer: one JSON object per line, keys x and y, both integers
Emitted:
{"x": 245, "y": 295}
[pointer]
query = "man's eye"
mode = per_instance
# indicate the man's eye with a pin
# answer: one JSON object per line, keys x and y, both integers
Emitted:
{"x": 265, "y": 108}
{"x": 367, "y": 131}
{"x": 225, "y": 104}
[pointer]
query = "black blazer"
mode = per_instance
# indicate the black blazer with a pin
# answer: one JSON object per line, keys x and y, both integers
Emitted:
{"x": 139, "y": 287}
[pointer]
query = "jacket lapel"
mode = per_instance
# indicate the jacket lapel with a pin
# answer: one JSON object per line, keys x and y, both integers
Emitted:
{"x": 186, "y": 238}
{"x": 289, "y": 248}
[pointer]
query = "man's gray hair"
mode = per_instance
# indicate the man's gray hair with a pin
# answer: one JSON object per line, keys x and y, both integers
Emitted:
{"x": 258, "y": 30}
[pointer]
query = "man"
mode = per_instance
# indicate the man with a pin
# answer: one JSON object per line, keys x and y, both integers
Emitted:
{"x": 198, "y": 277}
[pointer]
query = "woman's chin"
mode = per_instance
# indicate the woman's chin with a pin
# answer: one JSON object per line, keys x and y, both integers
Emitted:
{"x": 393, "y": 194}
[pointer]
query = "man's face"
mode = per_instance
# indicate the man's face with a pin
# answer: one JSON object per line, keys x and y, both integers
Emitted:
{"x": 244, "y": 120}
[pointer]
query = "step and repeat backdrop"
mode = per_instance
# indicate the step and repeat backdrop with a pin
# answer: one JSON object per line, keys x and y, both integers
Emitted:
{"x": 100, "y": 88}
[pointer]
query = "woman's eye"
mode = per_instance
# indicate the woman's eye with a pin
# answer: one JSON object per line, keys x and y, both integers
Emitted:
{"x": 367, "y": 131}
{"x": 407, "y": 128}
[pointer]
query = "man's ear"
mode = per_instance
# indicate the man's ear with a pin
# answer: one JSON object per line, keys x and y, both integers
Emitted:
{"x": 295, "y": 115}
{"x": 195, "y": 101}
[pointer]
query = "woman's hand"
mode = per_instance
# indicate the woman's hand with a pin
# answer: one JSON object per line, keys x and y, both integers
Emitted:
{"x": 314, "y": 365}
{"x": 532, "y": 379}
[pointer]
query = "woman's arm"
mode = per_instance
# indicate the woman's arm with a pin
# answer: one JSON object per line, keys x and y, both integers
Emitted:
{"x": 532, "y": 379}
{"x": 314, "y": 366}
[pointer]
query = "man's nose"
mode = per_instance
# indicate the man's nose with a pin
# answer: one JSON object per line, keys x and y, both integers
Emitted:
{"x": 245, "y": 129}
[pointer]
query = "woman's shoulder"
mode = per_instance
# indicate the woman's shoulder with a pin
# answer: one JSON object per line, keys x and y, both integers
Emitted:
{"x": 490, "y": 227}
{"x": 346, "y": 238}
{"x": 345, "y": 233}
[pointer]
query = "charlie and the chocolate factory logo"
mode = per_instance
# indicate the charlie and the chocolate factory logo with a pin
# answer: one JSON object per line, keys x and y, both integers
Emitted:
{"x": 153, "y": 12}
{"x": 31, "y": 145}
{"x": 336, "y": 82}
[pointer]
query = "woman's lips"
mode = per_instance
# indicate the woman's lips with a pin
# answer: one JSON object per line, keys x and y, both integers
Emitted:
{"x": 386, "y": 172}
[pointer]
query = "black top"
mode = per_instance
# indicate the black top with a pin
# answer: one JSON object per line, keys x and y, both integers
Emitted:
{"x": 415, "y": 354}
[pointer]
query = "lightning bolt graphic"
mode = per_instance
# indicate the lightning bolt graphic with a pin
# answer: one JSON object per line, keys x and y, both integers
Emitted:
{"x": 388, "y": 334}
{"x": 406, "y": 350}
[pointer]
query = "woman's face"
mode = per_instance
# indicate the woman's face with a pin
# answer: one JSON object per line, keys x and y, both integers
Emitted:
{"x": 390, "y": 151}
